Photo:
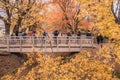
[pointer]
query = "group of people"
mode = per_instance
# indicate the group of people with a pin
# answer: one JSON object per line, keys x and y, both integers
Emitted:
{"x": 99, "y": 37}
{"x": 17, "y": 33}
{"x": 69, "y": 34}
{"x": 56, "y": 33}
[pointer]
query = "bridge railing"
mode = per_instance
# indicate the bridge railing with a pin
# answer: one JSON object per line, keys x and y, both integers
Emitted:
{"x": 32, "y": 41}
{"x": 14, "y": 40}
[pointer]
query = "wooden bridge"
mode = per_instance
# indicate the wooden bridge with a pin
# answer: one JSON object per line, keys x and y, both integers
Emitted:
{"x": 45, "y": 44}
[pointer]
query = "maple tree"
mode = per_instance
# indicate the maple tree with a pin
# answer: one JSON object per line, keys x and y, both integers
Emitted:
{"x": 70, "y": 11}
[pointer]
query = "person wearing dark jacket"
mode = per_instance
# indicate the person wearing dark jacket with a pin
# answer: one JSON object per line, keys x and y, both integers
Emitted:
{"x": 88, "y": 34}
{"x": 44, "y": 35}
{"x": 16, "y": 33}
{"x": 100, "y": 39}
{"x": 55, "y": 33}
{"x": 68, "y": 37}
{"x": 78, "y": 36}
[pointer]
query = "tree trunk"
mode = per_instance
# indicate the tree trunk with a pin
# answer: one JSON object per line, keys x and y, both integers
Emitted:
{"x": 7, "y": 29}
{"x": 18, "y": 25}
{"x": 16, "y": 28}
{"x": 116, "y": 12}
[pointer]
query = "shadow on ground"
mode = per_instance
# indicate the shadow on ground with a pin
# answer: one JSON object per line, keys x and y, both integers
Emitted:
{"x": 11, "y": 62}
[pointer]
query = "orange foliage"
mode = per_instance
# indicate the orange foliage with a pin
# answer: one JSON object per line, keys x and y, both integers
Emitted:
{"x": 85, "y": 24}
{"x": 55, "y": 16}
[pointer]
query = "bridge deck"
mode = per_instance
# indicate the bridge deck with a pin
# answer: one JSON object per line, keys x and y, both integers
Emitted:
{"x": 47, "y": 44}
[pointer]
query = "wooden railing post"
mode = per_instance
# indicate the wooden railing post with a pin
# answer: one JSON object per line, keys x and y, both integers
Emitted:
{"x": 92, "y": 42}
{"x": 32, "y": 42}
{"x": 57, "y": 42}
{"x": 20, "y": 39}
{"x": 8, "y": 44}
{"x": 69, "y": 42}
{"x": 45, "y": 44}
{"x": 80, "y": 42}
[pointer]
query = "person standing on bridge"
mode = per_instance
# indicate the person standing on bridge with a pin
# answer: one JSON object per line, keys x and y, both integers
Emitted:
{"x": 56, "y": 33}
{"x": 44, "y": 36}
{"x": 99, "y": 39}
{"x": 68, "y": 37}
{"x": 78, "y": 36}
{"x": 16, "y": 33}
{"x": 34, "y": 37}
{"x": 89, "y": 34}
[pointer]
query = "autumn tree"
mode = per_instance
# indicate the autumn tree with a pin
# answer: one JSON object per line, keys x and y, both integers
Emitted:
{"x": 23, "y": 8}
{"x": 77, "y": 67}
{"x": 104, "y": 21}
{"x": 7, "y": 10}
{"x": 70, "y": 10}
{"x": 84, "y": 65}
{"x": 17, "y": 12}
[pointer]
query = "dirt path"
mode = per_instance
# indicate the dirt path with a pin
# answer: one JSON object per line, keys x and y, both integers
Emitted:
{"x": 9, "y": 63}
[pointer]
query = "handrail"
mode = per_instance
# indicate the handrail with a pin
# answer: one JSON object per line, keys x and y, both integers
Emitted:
{"x": 33, "y": 39}
{"x": 56, "y": 41}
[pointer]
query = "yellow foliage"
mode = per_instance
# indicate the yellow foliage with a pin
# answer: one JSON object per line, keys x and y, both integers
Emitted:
{"x": 80, "y": 67}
